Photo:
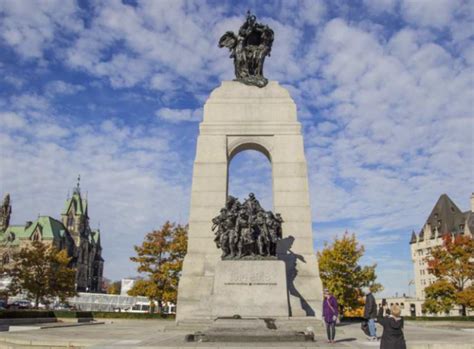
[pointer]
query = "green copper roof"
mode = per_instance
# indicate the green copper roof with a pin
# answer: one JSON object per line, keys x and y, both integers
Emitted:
{"x": 79, "y": 204}
{"x": 50, "y": 229}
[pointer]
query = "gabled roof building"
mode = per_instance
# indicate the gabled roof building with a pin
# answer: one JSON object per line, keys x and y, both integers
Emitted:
{"x": 445, "y": 218}
{"x": 72, "y": 233}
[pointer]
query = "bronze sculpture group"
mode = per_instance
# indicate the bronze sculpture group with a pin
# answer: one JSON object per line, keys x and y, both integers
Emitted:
{"x": 246, "y": 230}
{"x": 249, "y": 49}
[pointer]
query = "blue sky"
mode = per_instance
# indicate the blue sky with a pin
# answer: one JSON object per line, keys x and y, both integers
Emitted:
{"x": 114, "y": 91}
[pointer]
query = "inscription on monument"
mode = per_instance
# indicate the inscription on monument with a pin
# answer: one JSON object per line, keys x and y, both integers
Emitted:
{"x": 250, "y": 288}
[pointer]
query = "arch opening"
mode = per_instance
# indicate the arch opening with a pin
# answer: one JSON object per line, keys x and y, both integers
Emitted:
{"x": 250, "y": 171}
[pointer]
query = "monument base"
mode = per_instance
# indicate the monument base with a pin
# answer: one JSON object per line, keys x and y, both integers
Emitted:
{"x": 250, "y": 288}
{"x": 248, "y": 331}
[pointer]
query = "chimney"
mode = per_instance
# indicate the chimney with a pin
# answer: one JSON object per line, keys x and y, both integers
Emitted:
{"x": 472, "y": 202}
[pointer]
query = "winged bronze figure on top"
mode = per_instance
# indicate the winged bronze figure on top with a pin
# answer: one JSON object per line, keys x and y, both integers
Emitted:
{"x": 249, "y": 49}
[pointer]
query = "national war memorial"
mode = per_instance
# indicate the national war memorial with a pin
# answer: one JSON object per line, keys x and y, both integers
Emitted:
{"x": 244, "y": 261}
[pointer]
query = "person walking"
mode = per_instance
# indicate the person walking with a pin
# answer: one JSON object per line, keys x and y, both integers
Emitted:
{"x": 392, "y": 336}
{"x": 330, "y": 314}
{"x": 370, "y": 313}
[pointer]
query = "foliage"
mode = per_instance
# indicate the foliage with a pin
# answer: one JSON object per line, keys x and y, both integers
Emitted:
{"x": 42, "y": 272}
{"x": 114, "y": 287}
{"x": 63, "y": 277}
{"x": 439, "y": 297}
{"x": 161, "y": 257}
{"x": 341, "y": 273}
{"x": 466, "y": 297}
{"x": 452, "y": 262}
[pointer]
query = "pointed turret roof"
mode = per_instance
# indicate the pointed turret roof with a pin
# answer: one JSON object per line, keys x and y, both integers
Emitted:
{"x": 80, "y": 205}
{"x": 446, "y": 216}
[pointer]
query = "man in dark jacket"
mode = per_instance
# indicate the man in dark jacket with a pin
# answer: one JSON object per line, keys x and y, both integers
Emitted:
{"x": 370, "y": 313}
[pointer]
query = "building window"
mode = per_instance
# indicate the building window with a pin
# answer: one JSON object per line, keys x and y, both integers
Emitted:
{"x": 70, "y": 220}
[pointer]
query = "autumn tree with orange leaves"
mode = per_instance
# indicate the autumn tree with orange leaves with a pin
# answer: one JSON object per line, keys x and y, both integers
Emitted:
{"x": 453, "y": 264}
{"x": 160, "y": 257}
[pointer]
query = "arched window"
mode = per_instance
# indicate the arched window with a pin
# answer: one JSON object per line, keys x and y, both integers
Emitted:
{"x": 70, "y": 219}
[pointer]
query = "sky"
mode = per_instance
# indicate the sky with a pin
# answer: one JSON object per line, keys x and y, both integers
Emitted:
{"x": 113, "y": 91}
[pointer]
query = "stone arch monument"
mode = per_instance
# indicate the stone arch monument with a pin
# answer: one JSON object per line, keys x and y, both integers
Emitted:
{"x": 238, "y": 117}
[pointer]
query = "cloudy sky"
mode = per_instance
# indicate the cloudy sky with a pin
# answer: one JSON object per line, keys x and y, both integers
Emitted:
{"x": 113, "y": 91}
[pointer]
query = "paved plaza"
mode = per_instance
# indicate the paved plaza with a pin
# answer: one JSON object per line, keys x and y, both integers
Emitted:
{"x": 162, "y": 334}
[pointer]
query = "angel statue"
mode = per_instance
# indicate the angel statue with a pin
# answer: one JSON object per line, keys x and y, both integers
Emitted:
{"x": 249, "y": 49}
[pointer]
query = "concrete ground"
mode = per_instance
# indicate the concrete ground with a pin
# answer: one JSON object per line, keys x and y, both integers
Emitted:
{"x": 121, "y": 334}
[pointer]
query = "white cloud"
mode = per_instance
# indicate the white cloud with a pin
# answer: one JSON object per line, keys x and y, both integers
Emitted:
{"x": 380, "y": 6}
{"x": 30, "y": 26}
{"x": 179, "y": 115}
{"x": 11, "y": 121}
{"x": 58, "y": 87}
{"x": 430, "y": 13}
{"x": 14, "y": 81}
{"x": 397, "y": 105}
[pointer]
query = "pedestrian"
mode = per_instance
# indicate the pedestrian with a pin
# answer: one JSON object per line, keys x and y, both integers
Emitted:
{"x": 330, "y": 314}
{"x": 370, "y": 313}
{"x": 392, "y": 337}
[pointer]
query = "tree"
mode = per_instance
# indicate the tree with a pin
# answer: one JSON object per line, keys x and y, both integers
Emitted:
{"x": 114, "y": 287}
{"x": 42, "y": 272}
{"x": 161, "y": 257}
{"x": 341, "y": 273}
{"x": 63, "y": 277}
{"x": 440, "y": 296}
{"x": 453, "y": 262}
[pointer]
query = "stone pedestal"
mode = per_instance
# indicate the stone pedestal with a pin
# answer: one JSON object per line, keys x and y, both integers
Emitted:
{"x": 250, "y": 289}
{"x": 238, "y": 117}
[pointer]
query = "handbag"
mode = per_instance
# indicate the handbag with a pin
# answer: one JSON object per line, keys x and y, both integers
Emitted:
{"x": 334, "y": 317}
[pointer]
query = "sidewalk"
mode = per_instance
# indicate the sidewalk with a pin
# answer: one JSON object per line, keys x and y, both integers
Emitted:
{"x": 159, "y": 334}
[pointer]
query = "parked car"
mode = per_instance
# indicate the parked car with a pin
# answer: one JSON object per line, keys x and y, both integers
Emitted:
{"x": 23, "y": 304}
{"x": 62, "y": 306}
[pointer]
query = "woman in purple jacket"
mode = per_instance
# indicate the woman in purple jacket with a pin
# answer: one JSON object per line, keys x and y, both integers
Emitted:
{"x": 330, "y": 313}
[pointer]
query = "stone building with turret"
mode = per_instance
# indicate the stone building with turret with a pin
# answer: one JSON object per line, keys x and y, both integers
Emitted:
{"x": 445, "y": 218}
{"x": 72, "y": 232}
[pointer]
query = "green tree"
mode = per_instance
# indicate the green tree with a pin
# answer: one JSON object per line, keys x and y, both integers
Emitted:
{"x": 342, "y": 274}
{"x": 453, "y": 262}
{"x": 114, "y": 287}
{"x": 440, "y": 296}
{"x": 63, "y": 277}
{"x": 160, "y": 257}
{"x": 42, "y": 272}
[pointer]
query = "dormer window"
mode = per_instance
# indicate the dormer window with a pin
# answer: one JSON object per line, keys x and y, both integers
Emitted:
{"x": 36, "y": 236}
